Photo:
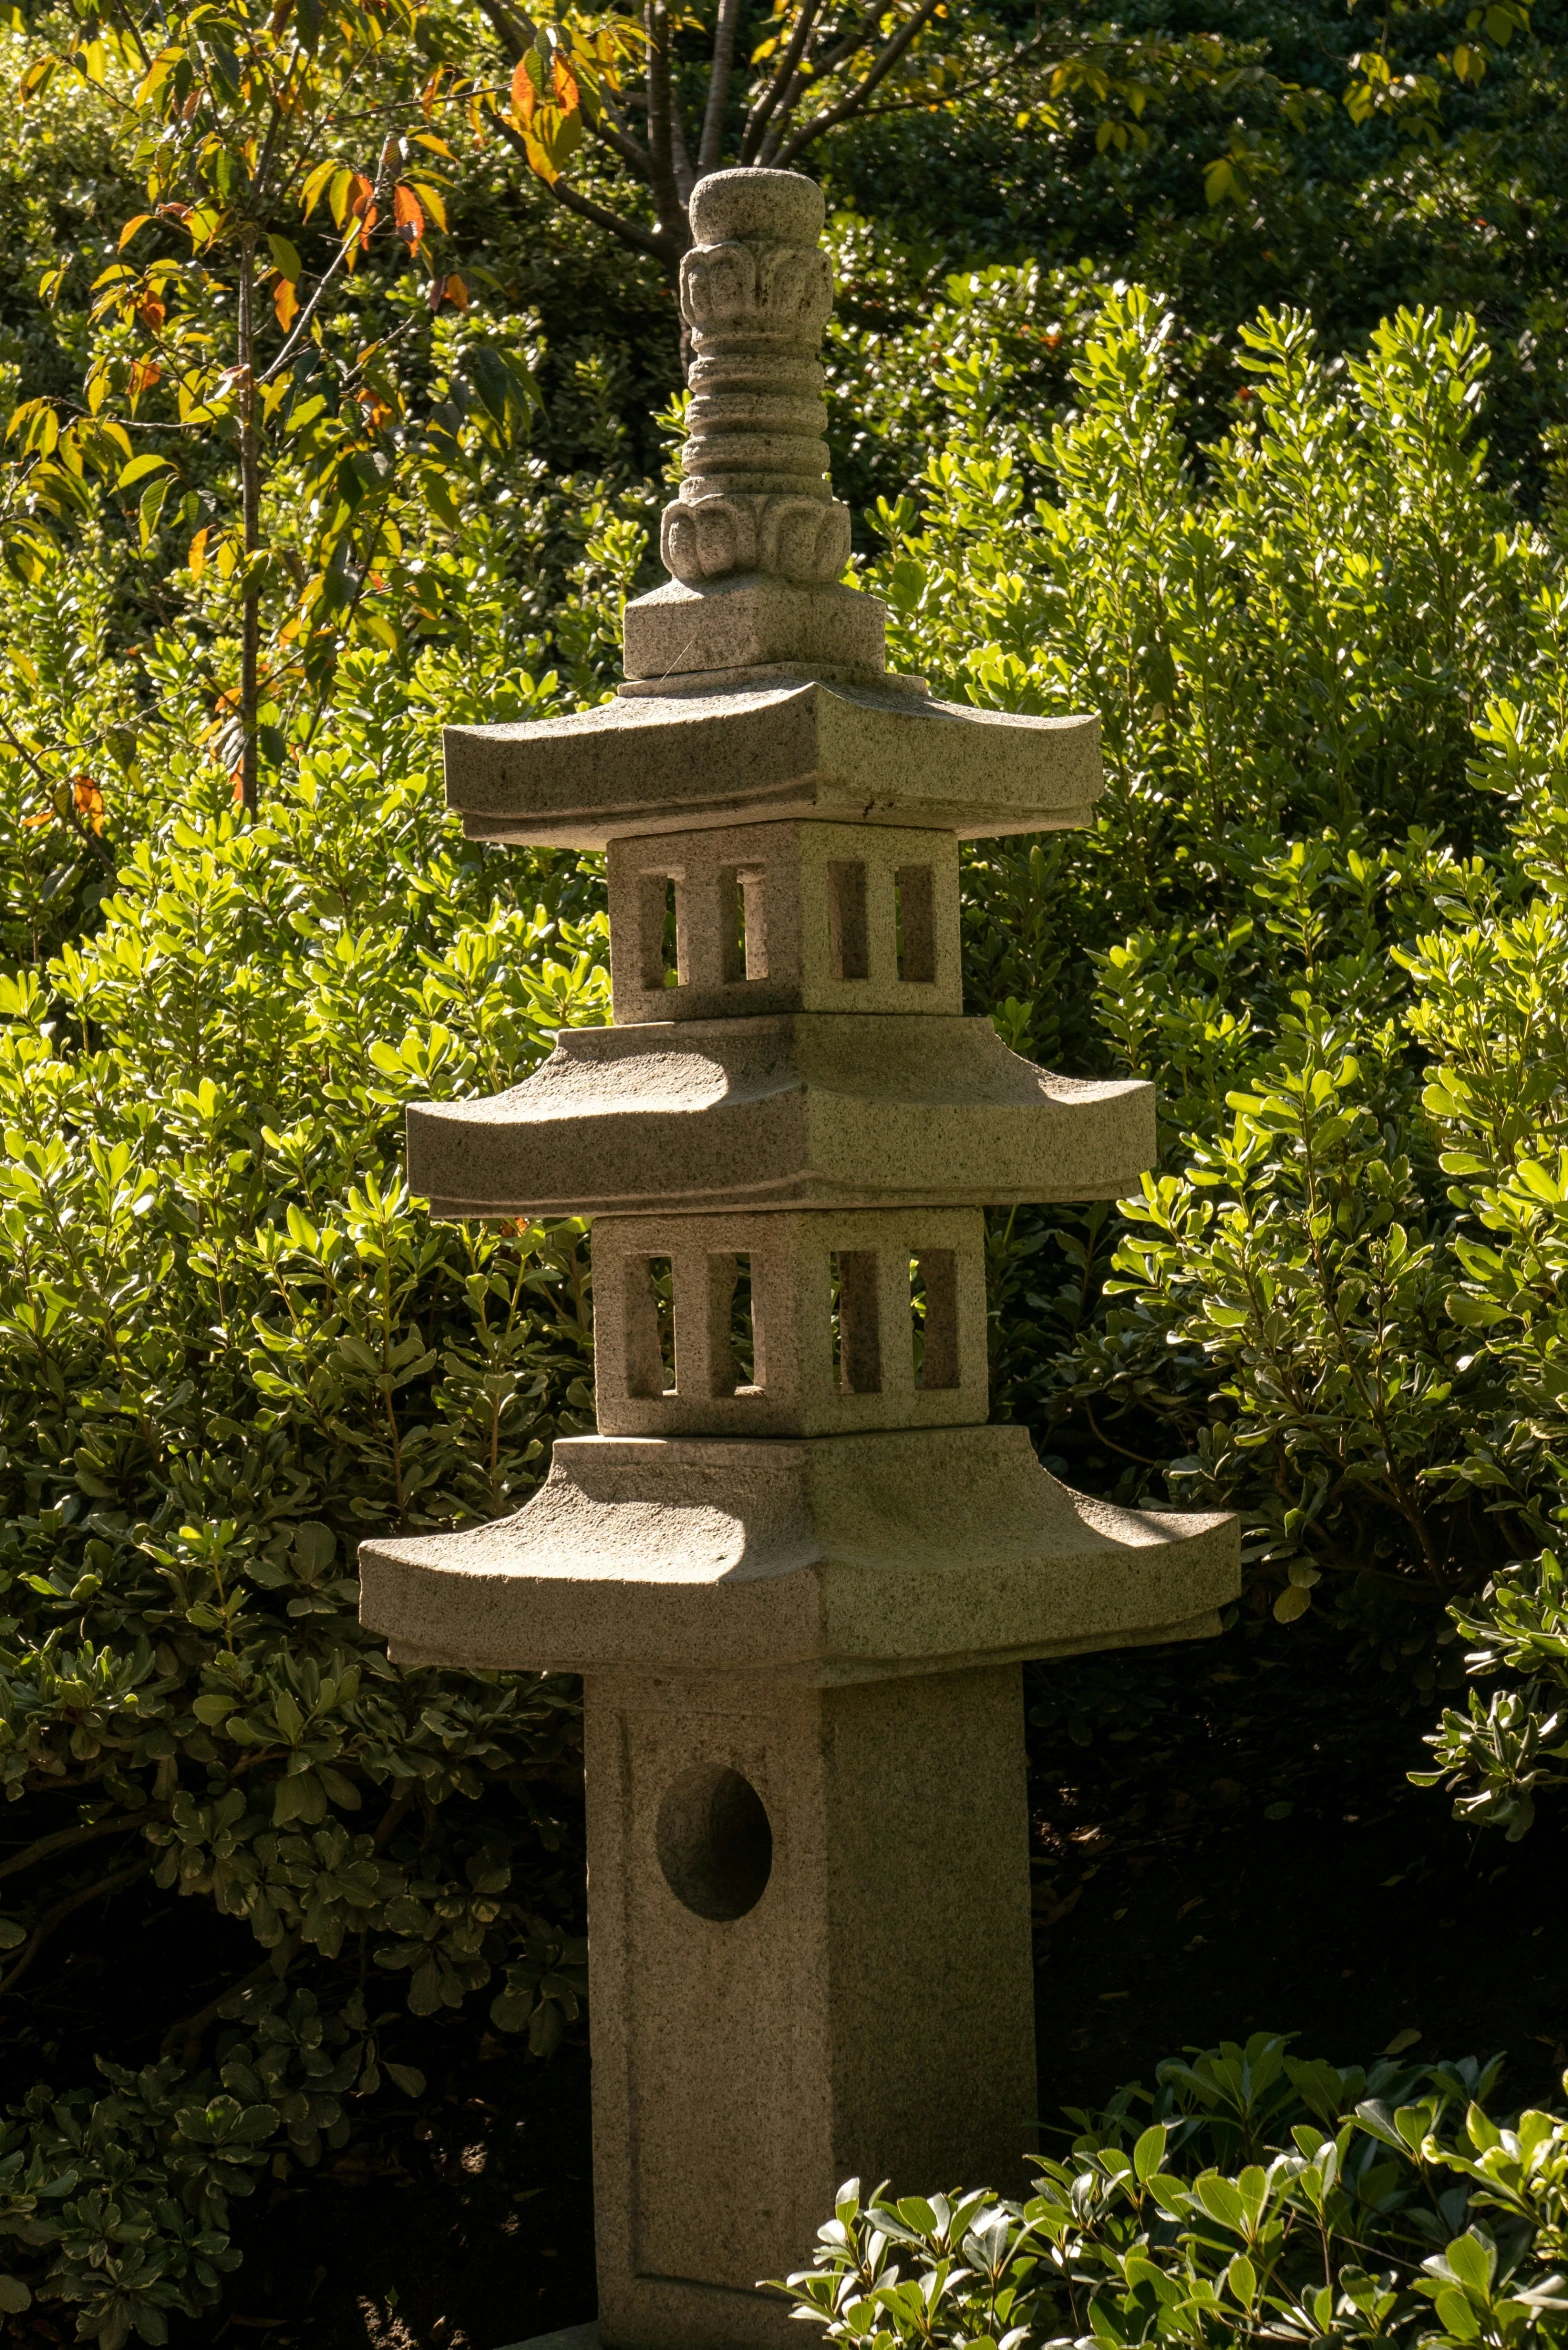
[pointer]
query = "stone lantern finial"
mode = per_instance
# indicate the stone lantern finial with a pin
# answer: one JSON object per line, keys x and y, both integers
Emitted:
{"x": 756, "y": 292}
{"x": 755, "y": 540}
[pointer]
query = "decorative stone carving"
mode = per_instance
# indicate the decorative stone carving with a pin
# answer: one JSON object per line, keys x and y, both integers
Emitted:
{"x": 754, "y": 494}
{"x": 797, "y": 1567}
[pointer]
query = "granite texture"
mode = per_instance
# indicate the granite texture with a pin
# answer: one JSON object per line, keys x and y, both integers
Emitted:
{"x": 748, "y": 620}
{"x": 802, "y": 1109}
{"x": 784, "y": 918}
{"x": 823, "y": 1305}
{"x": 751, "y": 754}
{"x": 819, "y": 1559}
{"x": 869, "y": 2014}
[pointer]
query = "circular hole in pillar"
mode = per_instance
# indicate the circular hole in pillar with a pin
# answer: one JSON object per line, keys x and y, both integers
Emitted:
{"x": 714, "y": 1842}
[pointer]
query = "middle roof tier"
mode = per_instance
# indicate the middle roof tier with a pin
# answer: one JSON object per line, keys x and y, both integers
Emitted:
{"x": 791, "y": 1110}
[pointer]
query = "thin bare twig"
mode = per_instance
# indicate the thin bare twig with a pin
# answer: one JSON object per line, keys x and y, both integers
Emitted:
{"x": 784, "y": 155}
{"x": 52, "y": 1919}
{"x": 66, "y": 1839}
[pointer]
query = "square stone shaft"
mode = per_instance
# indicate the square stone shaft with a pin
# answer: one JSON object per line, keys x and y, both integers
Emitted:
{"x": 809, "y": 1959}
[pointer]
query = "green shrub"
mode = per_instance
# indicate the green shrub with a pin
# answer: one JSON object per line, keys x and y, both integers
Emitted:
{"x": 1264, "y": 2199}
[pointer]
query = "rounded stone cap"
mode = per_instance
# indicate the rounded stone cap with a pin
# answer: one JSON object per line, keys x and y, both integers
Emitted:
{"x": 754, "y": 206}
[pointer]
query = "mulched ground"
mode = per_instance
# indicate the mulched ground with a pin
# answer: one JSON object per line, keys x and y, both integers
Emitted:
{"x": 1240, "y": 1850}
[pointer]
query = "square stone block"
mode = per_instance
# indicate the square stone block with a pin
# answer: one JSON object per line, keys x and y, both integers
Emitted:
{"x": 748, "y": 621}
{"x": 789, "y": 1325}
{"x": 784, "y": 918}
{"x": 809, "y": 1959}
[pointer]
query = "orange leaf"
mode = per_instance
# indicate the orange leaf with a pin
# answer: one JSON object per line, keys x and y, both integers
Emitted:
{"x": 286, "y": 303}
{"x": 410, "y": 220}
{"x": 89, "y": 801}
{"x": 131, "y": 228}
{"x": 151, "y": 313}
{"x": 457, "y": 292}
{"x": 524, "y": 96}
{"x": 362, "y": 201}
{"x": 31, "y": 823}
{"x": 197, "y": 558}
{"x": 567, "y": 95}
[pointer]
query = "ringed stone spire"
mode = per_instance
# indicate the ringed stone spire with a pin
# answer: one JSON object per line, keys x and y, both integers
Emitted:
{"x": 797, "y": 1566}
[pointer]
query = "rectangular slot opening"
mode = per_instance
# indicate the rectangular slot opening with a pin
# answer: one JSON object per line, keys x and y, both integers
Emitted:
{"x": 734, "y": 1338}
{"x": 659, "y": 930}
{"x": 847, "y": 920}
{"x": 933, "y": 1316}
{"x": 914, "y": 899}
{"x": 857, "y": 1339}
{"x": 650, "y": 1327}
{"x": 744, "y": 924}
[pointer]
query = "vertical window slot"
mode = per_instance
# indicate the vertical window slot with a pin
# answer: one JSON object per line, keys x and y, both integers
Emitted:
{"x": 744, "y": 924}
{"x": 734, "y": 1338}
{"x": 847, "y": 919}
{"x": 650, "y": 1327}
{"x": 857, "y": 1338}
{"x": 659, "y": 930}
{"x": 914, "y": 898}
{"x": 933, "y": 1316}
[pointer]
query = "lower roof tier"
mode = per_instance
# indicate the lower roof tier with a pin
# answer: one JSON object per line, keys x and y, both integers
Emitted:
{"x": 825, "y": 1109}
{"x": 834, "y": 1558}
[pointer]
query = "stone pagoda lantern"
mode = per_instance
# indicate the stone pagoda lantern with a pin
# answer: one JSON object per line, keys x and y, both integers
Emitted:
{"x": 797, "y": 1568}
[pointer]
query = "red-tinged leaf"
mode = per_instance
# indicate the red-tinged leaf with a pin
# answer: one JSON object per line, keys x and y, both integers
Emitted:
{"x": 131, "y": 228}
{"x": 525, "y": 95}
{"x": 151, "y": 312}
{"x": 406, "y": 213}
{"x": 286, "y": 303}
{"x": 145, "y": 373}
{"x": 363, "y": 205}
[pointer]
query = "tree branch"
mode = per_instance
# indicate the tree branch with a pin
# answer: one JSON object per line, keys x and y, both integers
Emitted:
{"x": 711, "y": 145}
{"x": 53, "y": 1919}
{"x": 641, "y": 240}
{"x": 757, "y": 120}
{"x": 661, "y": 110}
{"x": 184, "y": 2038}
{"x": 783, "y": 155}
{"x": 515, "y": 33}
{"x": 65, "y": 1839}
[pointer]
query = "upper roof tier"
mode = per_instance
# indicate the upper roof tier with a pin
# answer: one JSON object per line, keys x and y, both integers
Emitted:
{"x": 757, "y": 683}
{"x": 764, "y": 752}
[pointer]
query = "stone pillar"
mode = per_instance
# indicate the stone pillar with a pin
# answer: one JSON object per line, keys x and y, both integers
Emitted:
{"x": 796, "y": 1566}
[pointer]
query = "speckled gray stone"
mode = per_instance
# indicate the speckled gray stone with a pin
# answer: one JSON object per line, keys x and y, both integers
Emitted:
{"x": 784, "y": 918}
{"x": 751, "y": 754}
{"x": 807, "y": 1109}
{"x": 819, "y": 1559}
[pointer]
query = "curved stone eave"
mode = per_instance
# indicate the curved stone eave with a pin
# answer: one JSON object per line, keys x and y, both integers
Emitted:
{"x": 789, "y": 1110}
{"x": 856, "y": 754}
{"x": 828, "y": 1558}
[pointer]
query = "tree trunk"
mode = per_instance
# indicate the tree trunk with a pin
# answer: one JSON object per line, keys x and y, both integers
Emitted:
{"x": 250, "y": 533}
